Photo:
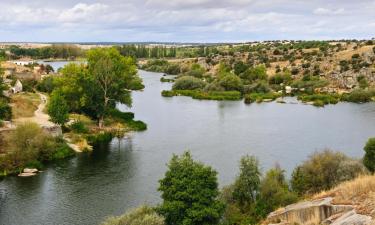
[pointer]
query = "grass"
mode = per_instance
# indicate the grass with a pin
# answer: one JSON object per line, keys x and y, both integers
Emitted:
{"x": 260, "y": 97}
{"x": 198, "y": 94}
{"x": 359, "y": 192}
{"x": 24, "y": 104}
{"x": 320, "y": 100}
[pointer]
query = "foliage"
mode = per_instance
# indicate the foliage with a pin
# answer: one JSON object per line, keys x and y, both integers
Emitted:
{"x": 143, "y": 215}
{"x": 359, "y": 96}
{"x": 5, "y": 109}
{"x": 247, "y": 183}
{"x": 211, "y": 95}
{"x": 369, "y": 158}
{"x": 58, "y": 108}
{"x": 79, "y": 127}
{"x": 46, "y": 85}
{"x": 260, "y": 97}
{"x": 255, "y": 73}
{"x": 231, "y": 82}
{"x": 64, "y": 51}
{"x": 320, "y": 99}
{"x": 196, "y": 71}
{"x": 29, "y": 144}
{"x": 257, "y": 87}
{"x": 280, "y": 78}
{"x": 274, "y": 192}
{"x": 188, "y": 83}
{"x": 162, "y": 66}
{"x": 189, "y": 192}
{"x": 323, "y": 171}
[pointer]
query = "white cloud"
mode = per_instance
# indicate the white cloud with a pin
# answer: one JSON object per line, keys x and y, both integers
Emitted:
{"x": 325, "y": 11}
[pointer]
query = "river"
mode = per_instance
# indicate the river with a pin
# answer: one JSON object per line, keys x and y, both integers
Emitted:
{"x": 110, "y": 180}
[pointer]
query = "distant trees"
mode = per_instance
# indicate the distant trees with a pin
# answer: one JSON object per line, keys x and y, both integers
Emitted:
{"x": 95, "y": 88}
{"x": 369, "y": 158}
{"x": 189, "y": 192}
{"x": 64, "y": 51}
{"x": 143, "y": 51}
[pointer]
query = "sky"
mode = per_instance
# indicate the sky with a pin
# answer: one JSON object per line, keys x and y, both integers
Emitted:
{"x": 184, "y": 20}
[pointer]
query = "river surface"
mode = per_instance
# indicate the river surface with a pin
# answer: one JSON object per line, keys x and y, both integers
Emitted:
{"x": 86, "y": 189}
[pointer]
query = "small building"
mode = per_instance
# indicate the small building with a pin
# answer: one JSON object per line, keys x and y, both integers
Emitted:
{"x": 17, "y": 88}
{"x": 23, "y": 62}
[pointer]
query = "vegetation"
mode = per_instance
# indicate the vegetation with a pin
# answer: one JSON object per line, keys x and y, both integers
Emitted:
{"x": 212, "y": 95}
{"x": 58, "y": 108}
{"x": 323, "y": 171}
{"x": 162, "y": 66}
{"x": 30, "y": 146}
{"x": 320, "y": 99}
{"x": 359, "y": 96}
{"x": 143, "y": 215}
{"x": 24, "y": 104}
{"x": 189, "y": 192}
{"x": 61, "y": 51}
{"x": 260, "y": 97}
{"x": 369, "y": 158}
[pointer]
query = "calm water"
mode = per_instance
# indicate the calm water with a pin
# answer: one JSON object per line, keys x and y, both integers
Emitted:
{"x": 109, "y": 181}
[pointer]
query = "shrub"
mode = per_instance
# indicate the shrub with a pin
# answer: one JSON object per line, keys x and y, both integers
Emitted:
{"x": 188, "y": 83}
{"x": 143, "y": 215}
{"x": 323, "y": 171}
{"x": 46, "y": 85}
{"x": 58, "y": 108}
{"x": 260, "y": 97}
{"x": 79, "y": 127}
{"x": 359, "y": 96}
{"x": 257, "y": 87}
{"x": 369, "y": 158}
{"x": 231, "y": 82}
{"x": 320, "y": 99}
{"x": 5, "y": 110}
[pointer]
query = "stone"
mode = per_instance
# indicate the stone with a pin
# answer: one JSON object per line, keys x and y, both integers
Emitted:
{"x": 352, "y": 218}
{"x": 26, "y": 174}
{"x": 28, "y": 170}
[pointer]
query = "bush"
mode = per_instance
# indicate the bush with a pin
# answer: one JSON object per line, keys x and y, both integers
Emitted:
{"x": 213, "y": 95}
{"x": 79, "y": 127}
{"x": 30, "y": 145}
{"x": 369, "y": 158}
{"x": 58, "y": 108}
{"x": 143, "y": 215}
{"x": 359, "y": 96}
{"x": 260, "y": 97}
{"x": 323, "y": 171}
{"x": 46, "y": 85}
{"x": 231, "y": 82}
{"x": 257, "y": 87}
{"x": 320, "y": 99}
{"x": 5, "y": 110}
{"x": 188, "y": 83}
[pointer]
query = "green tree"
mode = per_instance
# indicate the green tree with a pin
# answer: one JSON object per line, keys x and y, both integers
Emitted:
{"x": 188, "y": 83}
{"x": 231, "y": 82}
{"x": 246, "y": 186}
{"x": 112, "y": 76}
{"x": 57, "y": 108}
{"x": 274, "y": 192}
{"x": 189, "y": 192}
{"x": 369, "y": 159}
{"x": 143, "y": 215}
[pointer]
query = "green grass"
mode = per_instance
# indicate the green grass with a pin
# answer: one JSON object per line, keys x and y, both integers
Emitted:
{"x": 260, "y": 97}
{"x": 320, "y": 100}
{"x": 198, "y": 94}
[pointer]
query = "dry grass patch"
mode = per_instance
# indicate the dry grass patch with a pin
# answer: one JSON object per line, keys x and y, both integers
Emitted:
{"x": 359, "y": 192}
{"x": 24, "y": 105}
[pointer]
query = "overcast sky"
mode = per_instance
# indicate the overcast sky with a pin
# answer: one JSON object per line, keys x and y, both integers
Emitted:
{"x": 184, "y": 20}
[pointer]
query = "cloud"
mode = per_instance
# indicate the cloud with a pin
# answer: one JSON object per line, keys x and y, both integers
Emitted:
{"x": 183, "y": 20}
{"x": 324, "y": 11}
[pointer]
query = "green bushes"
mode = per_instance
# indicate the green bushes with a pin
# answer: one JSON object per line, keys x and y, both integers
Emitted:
{"x": 162, "y": 66}
{"x": 143, "y": 215}
{"x": 252, "y": 197}
{"x": 188, "y": 83}
{"x": 320, "y": 99}
{"x": 128, "y": 119}
{"x": 231, "y": 82}
{"x": 359, "y": 96}
{"x": 79, "y": 127}
{"x": 197, "y": 94}
{"x": 369, "y": 158}
{"x": 260, "y": 97}
{"x": 323, "y": 171}
{"x": 30, "y": 145}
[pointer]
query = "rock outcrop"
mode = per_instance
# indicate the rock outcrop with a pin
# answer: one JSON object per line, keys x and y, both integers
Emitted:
{"x": 316, "y": 212}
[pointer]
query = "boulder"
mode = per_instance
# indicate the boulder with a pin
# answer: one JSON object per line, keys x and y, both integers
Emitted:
{"x": 26, "y": 174}
{"x": 352, "y": 218}
{"x": 28, "y": 170}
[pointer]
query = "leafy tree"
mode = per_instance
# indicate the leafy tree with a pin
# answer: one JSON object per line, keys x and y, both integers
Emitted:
{"x": 274, "y": 192}
{"x": 143, "y": 215}
{"x": 58, "y": 109}
{"x": 196, "y": 70}
{"x": 189, "y": 192}
{"x": 255, "y": 73}
{"x": 323, "y": 171}
{"x": 5, "y": 110}
{"x": 246, "y": 186}
{"x": 112, "y": 76}
{"x": 231, "y": 82}
{"x": 369, "y": 159}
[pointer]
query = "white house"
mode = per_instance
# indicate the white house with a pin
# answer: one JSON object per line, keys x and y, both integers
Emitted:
{"x": 22, "y": 62}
